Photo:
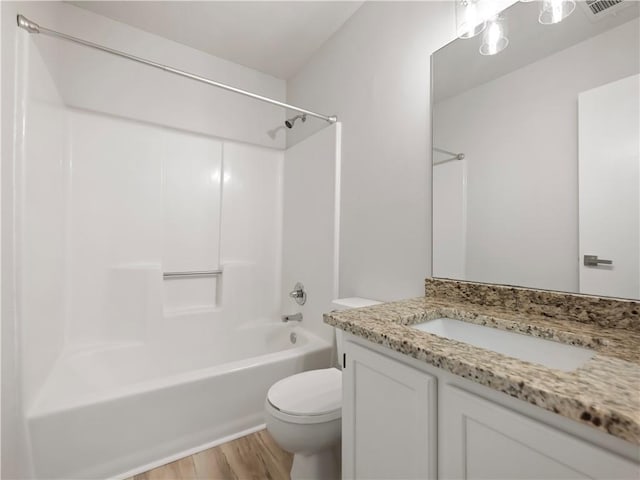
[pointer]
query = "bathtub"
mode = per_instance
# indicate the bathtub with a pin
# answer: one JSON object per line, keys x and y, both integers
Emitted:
{"x": 114, "y": 410}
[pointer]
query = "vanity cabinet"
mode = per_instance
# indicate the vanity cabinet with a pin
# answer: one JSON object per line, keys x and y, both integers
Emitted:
{"x": 403, "y": 422}
{"x": 481, "y": 439}
{"x": 388, "y": 418}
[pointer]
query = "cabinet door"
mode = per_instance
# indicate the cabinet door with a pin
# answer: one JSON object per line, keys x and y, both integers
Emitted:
{"x": 480, "y": 439}
{"x": 388, "y": 418}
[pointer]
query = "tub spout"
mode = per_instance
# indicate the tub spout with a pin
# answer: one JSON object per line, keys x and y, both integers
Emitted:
{"x": 297, "y": 317}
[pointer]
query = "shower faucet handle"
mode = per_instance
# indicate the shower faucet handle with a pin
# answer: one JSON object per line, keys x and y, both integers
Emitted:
{"x": 298, "y": 294}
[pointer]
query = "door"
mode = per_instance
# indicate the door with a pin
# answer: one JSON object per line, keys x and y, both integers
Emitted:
{"x": 388, "y": 418}
{"x": 480, "y": 439}
{"x": 609, "y": 188}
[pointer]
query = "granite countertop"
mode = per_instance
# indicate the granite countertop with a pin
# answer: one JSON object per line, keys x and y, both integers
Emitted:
{"x": 604, "y": 393}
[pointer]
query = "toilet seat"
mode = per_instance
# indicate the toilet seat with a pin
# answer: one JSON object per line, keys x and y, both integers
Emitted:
{"x": 308, "y": 397}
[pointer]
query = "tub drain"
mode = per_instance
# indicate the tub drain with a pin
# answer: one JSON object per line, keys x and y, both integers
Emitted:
{"x": 293, "y": 337}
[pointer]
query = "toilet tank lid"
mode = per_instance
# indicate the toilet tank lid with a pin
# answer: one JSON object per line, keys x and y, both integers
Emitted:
{"x": 353, "y": 302}
{"x": 315, "y": 392}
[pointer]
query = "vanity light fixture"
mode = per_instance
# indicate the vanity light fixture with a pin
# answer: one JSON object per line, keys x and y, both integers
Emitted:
{"x": 477, "y": 16}
{"x": 469, "y": 18}
{"x": 494, "y": 38}
{"x": 554, "y": 11}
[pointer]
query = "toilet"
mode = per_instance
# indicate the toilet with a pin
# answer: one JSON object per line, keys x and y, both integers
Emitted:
{"x": 303, "y": 413}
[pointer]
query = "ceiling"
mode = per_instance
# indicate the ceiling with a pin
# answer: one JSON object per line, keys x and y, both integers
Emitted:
{"x": 273, "y": 37}
{"x": 458, "y": 66}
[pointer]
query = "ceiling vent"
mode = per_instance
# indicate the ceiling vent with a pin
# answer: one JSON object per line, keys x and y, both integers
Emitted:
{"x": 598, "y": 9}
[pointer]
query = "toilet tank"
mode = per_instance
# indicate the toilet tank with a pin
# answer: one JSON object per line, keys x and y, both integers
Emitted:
{"x": 347, "y": 304}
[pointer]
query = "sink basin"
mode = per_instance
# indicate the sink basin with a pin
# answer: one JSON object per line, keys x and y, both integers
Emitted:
{"x": 524, "y": 347}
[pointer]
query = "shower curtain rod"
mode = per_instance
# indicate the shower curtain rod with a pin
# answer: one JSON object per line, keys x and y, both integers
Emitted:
{"x": 32, "y": 27}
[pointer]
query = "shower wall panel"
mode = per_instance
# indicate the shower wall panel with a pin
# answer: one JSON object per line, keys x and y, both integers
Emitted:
{"x": 252, "y": 231}
{"x": 311, "y": 225}
{"x": 41, "y": 192}
{"x": 144, "y": 200}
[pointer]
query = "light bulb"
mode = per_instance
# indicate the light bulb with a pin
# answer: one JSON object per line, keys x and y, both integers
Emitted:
{"x": 494, "y": 39}
{"x": 469, "y": 18}
{"x": 554, "y": 11}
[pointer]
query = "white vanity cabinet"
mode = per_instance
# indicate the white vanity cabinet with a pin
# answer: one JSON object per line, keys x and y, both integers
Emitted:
{"x": 388, "y": 418}
{"x": 481, "y": 439}
{"x": 404, "y": 421}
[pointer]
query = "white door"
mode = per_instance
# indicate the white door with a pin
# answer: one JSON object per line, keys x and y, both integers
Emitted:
{"x": 388, "y": 418}
{"x": 609, "y": 188}
{"x": 483, "y": 440}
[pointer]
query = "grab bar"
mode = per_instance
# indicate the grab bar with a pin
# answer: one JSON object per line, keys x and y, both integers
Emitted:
{"x": 202, "y": 273}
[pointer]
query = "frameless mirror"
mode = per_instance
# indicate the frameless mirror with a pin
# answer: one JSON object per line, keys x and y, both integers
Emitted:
{"x": 536, "y": 151}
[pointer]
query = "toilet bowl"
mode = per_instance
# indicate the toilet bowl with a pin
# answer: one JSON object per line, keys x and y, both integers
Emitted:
{"x": 303, "y": 414}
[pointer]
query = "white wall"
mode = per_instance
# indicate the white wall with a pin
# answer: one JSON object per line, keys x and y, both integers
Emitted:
{"x": 522, "y": 198}
{"x": 374, "y": 74}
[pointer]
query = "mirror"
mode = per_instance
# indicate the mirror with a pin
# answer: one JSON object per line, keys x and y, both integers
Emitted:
{"x": 536, "y": 152}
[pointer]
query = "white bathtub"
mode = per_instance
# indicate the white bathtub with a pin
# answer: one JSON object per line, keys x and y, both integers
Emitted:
{"x": 118, "y": 409}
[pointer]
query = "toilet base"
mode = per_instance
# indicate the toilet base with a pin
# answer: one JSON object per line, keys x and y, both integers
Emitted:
{"x": 322, "y": 465}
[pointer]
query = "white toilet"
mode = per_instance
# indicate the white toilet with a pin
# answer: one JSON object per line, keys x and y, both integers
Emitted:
{"x": 303, "y": 413}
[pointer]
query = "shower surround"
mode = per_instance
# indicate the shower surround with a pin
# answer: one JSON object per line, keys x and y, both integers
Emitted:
{"x": 123, "y": 174}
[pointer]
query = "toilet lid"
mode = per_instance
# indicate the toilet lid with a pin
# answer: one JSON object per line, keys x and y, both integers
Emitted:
{"x": 316, "y": 392}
